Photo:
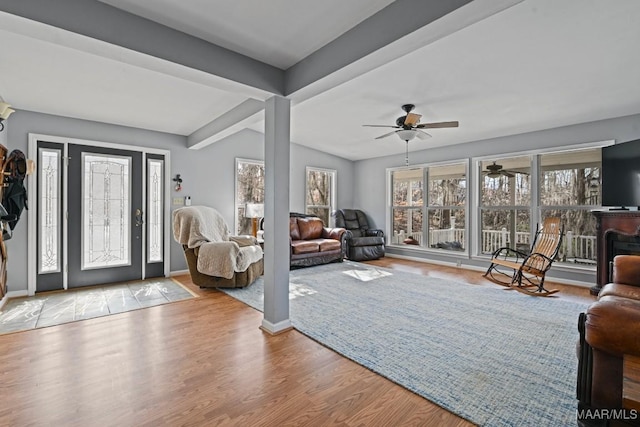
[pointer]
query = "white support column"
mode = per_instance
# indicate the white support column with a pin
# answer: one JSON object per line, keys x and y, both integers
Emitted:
{"x": 276, "y": 215}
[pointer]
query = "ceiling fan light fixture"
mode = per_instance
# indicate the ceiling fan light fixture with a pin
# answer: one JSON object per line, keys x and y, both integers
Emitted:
{"x": 406, "y": 134}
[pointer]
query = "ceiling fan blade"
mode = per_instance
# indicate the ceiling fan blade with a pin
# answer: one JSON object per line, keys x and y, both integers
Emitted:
{"x": 412, "y": 119}
{"x": 385, "y": 135}
{"x": 381, "y": 126}
{"x": 514, "y": 172}
{"x": 422, "y": 134}
{"x": 507, "y": 174}
{"x": 438, "y": 125}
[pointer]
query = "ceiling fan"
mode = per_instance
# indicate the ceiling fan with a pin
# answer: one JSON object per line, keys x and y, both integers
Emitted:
{"x": 496, "y": 171}
{"x": 409, "y": 126}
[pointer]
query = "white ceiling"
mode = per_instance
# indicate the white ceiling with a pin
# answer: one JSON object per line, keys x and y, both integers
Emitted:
{"x": 537, "y": 65}
{"x": 278, "y": 32}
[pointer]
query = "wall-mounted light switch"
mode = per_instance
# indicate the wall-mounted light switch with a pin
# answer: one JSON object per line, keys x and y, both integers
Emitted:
{"x": 178, "y": 201}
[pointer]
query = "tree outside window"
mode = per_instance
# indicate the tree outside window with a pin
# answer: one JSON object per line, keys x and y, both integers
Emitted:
{"x": 320, "y": 193}
{"x": 249, "y": 189}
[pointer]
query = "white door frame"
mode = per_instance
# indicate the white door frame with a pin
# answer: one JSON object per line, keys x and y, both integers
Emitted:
{"x": 32, "y": 241}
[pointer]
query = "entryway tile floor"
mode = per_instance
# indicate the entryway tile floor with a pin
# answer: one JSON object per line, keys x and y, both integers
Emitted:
{"x": 56, "y": 307}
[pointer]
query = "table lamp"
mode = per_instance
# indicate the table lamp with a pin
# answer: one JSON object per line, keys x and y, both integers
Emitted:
{"x": 254, "y": 211}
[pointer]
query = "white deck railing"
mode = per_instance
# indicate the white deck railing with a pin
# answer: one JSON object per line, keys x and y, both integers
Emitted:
{"x": 578, "y": 248}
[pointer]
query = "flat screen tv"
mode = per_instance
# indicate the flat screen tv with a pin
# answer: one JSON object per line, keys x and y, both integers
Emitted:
{"x": 621, "y": 175}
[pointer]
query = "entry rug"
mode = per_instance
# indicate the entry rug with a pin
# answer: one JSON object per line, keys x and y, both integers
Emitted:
{"x": 54, "y": 308}
{"x": 492, "y": 356}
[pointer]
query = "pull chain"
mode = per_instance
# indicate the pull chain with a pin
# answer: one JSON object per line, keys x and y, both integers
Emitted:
{"x": 406, "y": 155}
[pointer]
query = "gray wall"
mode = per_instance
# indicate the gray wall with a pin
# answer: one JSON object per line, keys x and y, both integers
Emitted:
{"x": 370, "y": 175}
{"x": 3, "y": 134}
{"x": 208, "y": 174}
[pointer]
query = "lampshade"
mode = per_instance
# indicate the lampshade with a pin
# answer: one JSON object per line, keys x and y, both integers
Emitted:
{"x": 5, "y": 111}
{"x": 407, "y": 134}
{"x": 254, "y": 210}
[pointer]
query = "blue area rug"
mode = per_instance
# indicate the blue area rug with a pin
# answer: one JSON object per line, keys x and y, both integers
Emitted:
{"x": 493, "y": 356}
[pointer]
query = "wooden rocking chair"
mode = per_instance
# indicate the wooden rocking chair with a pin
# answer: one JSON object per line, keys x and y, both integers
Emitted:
{"x": 525, "y": 272}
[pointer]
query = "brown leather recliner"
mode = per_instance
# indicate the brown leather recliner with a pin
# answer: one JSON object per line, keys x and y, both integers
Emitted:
{"x": 609, "y": 330}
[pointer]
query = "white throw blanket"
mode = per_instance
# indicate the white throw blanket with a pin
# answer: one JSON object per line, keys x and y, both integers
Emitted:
{"x": 219, "y": 254}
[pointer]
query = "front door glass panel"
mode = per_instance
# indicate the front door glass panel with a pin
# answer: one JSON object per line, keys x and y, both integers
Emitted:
{"x": 106, "y": 200}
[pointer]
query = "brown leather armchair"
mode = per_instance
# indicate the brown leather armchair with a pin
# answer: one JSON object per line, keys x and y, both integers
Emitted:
{"x": 609, "y": 330}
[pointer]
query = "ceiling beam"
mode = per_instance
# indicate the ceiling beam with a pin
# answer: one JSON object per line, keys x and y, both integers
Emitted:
{"x": 397, "y": 30}
{"x": 114, "y": 26}
{"x": 234, "y": 120}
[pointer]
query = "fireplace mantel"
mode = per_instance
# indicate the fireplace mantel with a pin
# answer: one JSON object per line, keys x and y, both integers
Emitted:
{"x": 608, "y": 223}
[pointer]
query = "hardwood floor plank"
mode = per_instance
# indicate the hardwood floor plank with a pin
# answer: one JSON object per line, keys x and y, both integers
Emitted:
{"x": 204, "y": 362}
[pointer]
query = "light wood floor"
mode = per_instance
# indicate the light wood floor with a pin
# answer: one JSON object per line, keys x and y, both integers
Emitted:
{"x": 202, "y": 362}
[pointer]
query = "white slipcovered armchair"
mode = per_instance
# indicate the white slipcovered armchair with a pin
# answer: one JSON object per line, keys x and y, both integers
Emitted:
{"x": 215, "y": 258}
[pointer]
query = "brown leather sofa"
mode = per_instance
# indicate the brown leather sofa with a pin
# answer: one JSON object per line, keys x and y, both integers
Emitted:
{"x": 609, "y": 330}
{"x": 312, "y": 243}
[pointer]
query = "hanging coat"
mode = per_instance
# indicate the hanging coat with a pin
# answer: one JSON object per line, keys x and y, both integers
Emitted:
{"x": 14, "y": 197}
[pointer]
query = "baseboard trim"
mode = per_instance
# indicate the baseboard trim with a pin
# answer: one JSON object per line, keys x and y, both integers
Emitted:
{"x": 276, "y": 328}
{"x": 12, "y": 294}
{"x": 437, "y": 262}
{"x": 178, "y": 272}
{"x": 483, "y": 269}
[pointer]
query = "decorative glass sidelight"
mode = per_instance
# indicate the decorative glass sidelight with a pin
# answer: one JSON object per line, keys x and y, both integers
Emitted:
{"x": 49, "y": 210}
{"x": 155, "y": 207}
{"x": 106, "y": 212}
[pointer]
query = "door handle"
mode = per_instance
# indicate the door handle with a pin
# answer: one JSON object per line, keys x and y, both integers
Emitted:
{"x": 139, "y": 219}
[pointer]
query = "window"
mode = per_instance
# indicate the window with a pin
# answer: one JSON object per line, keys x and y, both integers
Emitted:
{"x": 320, "y": 190}
{"x": 49, "y": 221}
{"x": 406, "y": 206}
{"x": 570, "y": 188}
{"x": 155, "y": 206}
{"x": 428, "y": 205}
{"x": 443, "y": 206}
{"x": 249, "y": 189}
{"x": 505, "y": 203}
{"x": 446, "y": 206}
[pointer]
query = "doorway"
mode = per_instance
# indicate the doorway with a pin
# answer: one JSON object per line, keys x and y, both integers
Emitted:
{"x": 100, "y": 214}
